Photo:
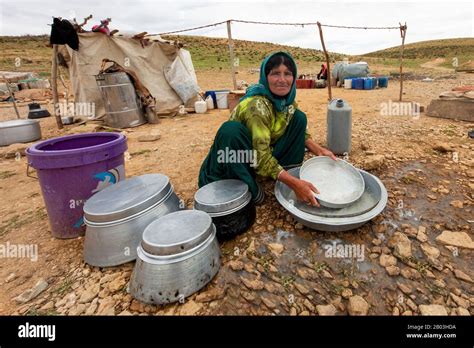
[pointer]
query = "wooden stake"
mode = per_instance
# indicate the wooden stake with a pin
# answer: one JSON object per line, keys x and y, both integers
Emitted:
{"x": 12, "y": 95}
{"x": 231, "y": 52}
{"x": 403, "y": 31}
{"x": 54, "y": 87}
{"x": 328, "y": 80}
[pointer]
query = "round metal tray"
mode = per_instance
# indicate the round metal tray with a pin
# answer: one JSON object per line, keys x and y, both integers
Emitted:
{"x": 339, "y": 183}
{"x": 287, "y": 199}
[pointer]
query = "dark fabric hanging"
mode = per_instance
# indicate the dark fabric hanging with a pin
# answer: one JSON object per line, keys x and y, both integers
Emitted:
{"x": 63, "y": 33}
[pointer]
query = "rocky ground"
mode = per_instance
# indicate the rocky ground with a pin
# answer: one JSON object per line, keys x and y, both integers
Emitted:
{"x": 417, "y": 255}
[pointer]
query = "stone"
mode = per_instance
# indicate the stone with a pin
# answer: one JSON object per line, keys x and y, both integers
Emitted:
{"x": 457, "y": 204}
{"x": 106, "y": 307}
{"x": 293, "y": 312}
{"x": 77, "y": 310}
{"x": 461, "y": 302}
{"x": 373, "y": 162}
{"x": 433, "y": 309}
{"x": 462, "y": 311}
{"x": 443, "y": 147}
{"x": 276, "y": 248}
{"x": 252, "y": 284}
{"x": 236, "y": 265}
{"x": 326, "y": 310}
{"x": 117, "y": 284}
{"x": 404, "y": 288}
{"x": 210, "y": 295}
{"x": 48, "y": 306}
{"x": 92, "y": 307}
{"x": 308, "y": 305}
{"x": 149, "y": 137}
{"x": 89, "y": 294}
{"x": 421, "y": 235}
{"x": 10, "y": 278}
{"x": 358, "y": 306}
{"x": 463, "y": 276}
{"x": 301, "y": 288}
{"x": 387, "y": 260}
{"x": 392, "y": 270}
{"x": 401, "y": 244}
{"x": 304, "y": 313}
{"x": 125, "y": 313}
{"x": 190, "y": 308}
{"x": 32, "y": 293}
{"x": 306, "y": 273}
{"x": 430, "y": 251}
{"x": 459, "y": 239}
{"x": 267, "y": 302}
{"x": 346, "y": 293}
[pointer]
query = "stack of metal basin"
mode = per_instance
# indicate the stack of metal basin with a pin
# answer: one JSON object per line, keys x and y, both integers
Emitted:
{"x": 368, "y": 206}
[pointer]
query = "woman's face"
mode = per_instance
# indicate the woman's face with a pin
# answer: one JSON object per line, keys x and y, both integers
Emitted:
{"x": 280, "y": 80}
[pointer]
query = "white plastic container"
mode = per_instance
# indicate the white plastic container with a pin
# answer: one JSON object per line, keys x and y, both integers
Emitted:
{"x": 210, "y": 103}
{"x": 200, "y": 107}
{"x": 348, "y": 83}
{"x": 221, "y": 98}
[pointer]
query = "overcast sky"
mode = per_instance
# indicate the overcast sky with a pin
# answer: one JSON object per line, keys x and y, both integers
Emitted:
{"x": 426, "y": 20}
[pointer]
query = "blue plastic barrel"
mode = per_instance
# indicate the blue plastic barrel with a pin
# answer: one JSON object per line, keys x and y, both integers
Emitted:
{"x": 383, "y": 82}
{"x": 367, "y": 83}
{"x": 358, "y": 83}
{"x": 213, "y": 96}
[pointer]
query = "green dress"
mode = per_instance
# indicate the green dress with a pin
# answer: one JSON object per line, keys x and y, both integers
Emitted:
{"x": 263, "y": 135}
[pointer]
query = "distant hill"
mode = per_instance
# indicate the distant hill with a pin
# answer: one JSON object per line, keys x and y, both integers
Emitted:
{"x": 214, "y": 52}
{"x": 446, "y": 48}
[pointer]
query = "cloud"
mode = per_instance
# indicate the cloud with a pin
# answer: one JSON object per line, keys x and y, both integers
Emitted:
{"x": 426, "y": 19}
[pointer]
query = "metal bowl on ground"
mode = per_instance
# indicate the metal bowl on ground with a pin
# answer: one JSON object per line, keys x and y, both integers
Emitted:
{"x": 179, "y": 255}
{"x": 344, "y": 219}
{"x": 19, "y": 131}
{"x": 229, "y": 203}
{"x": 117, "y": 216}
{"x": 339, "y": 183}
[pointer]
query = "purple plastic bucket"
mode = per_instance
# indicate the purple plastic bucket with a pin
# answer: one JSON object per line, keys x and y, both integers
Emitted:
{"x": 70, "y": 170}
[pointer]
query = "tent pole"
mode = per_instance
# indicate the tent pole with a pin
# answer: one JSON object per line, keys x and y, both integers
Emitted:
{"x": 403, "y": 31}
{"x": 54, "y": 87}
{"x": 231, "y": 52}
{"x": 327, "y": 62}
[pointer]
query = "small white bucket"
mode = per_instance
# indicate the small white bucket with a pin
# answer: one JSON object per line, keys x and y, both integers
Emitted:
{"x": 221, "y": 98}
{"x": 348, "y": 83}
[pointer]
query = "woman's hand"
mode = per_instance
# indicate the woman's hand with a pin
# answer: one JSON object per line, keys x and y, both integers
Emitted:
{"x": 319, "y": 150}
{"x": 326, "y": 152}
{"x": 304, "y": 190}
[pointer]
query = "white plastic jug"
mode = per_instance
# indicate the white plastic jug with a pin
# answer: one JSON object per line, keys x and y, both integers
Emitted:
{"x": 348, "y": 83}
{"x": 200, "y": 107}
{"x": 209, "y": 102}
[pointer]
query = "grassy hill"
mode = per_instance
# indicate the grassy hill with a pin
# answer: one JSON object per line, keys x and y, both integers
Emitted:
{"x": 214, "y": 52}
{"x": 462, "y": 48}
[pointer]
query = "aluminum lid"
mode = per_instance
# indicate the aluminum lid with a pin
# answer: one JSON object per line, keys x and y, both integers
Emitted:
{"x": 126, "y": 198}
{"x": 177, "y": 232}
{"x": 223, "y": 196}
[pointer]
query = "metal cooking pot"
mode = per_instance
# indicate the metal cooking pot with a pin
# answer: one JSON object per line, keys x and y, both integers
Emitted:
{"x": 117, "y": 216}
{"x": 229, "y": 203}
{"x": 19, "y": 131}
{"x": 179, "y": 255}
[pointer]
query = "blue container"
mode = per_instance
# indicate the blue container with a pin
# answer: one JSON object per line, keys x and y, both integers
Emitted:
{"x": 374, "y": 82}
{"x": 383, "y": 82}
{"x": 367, "y": 83}
{"x": 213, "y": 96}
{"x": 358, "y": 83}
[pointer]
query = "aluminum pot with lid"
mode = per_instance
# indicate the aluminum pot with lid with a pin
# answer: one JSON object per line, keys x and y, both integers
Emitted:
{"x": 229, "y": 203}
{"x": 117, "y": 216}
{"x": 179, "y": 255}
